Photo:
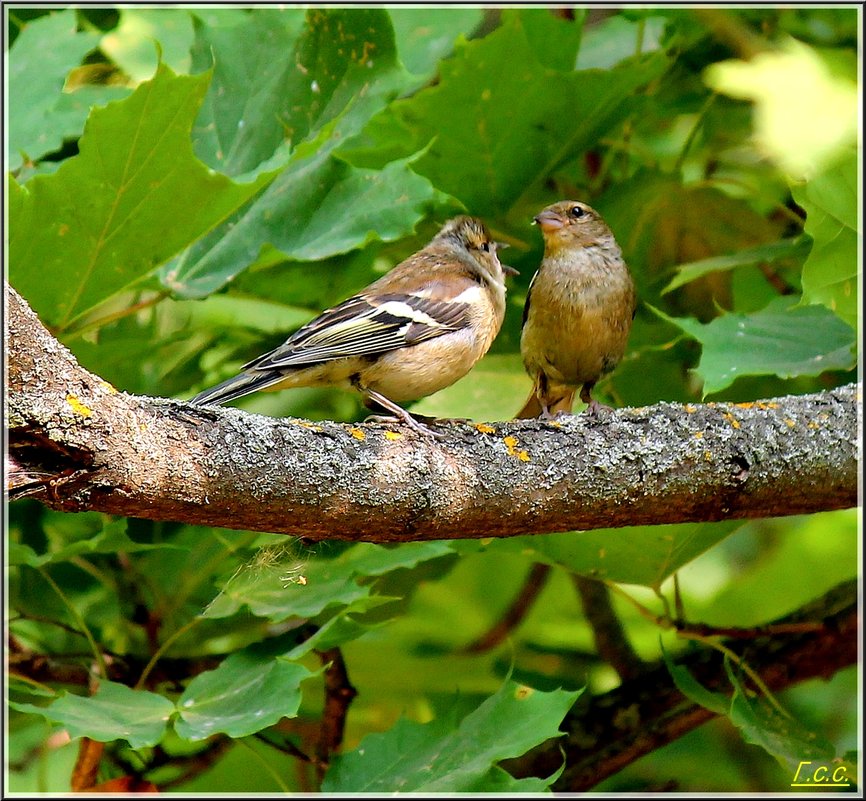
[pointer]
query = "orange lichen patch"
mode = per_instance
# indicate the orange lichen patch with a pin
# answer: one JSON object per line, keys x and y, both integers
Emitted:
{"x": 392, "y": 435}
{"x": 708, "y": 457}
{"x": 108, "y": 387}
{"x": 732, "y": 420}
{"x": 690, "y": 409}
{"x": 813, "y": 424}
{"x": 699, "y": 434}
{"x": 306, "y": 424}
{"x": 511, "y": 443}
{"x": 485, "y": 429}
{"x": 78, "y": 407}
{"x": 756, "y": 404}
{"x": 789, "y": 422}
{"x": 358, "y": 434}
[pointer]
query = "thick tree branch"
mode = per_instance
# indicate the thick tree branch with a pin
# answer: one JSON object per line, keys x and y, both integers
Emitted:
{"x": 166, "y": 460}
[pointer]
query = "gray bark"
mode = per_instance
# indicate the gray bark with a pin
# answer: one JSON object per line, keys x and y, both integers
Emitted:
{"x": 76, "y": 444}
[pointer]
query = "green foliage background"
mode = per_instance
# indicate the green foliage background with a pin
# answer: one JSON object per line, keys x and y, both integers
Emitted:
{"x": 188, "y": 186}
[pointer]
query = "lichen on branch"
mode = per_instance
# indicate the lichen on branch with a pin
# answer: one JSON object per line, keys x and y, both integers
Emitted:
{"x": 76, "y": 443}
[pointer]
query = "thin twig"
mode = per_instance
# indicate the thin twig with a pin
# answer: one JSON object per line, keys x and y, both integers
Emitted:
{"x": 97, "y": 651}
{"x": 198, "y": 763}
{"x": 284, "y": 747}
{"x": 687, "y": 145}
{"x": 516, "y": 612}
{"x": 746, "y": 668}
{"x": 115, "y": 316}
{"x": 273, "y": 773}
{"x": 339, "y": 693}
{"x": 163, "y": 648}
{"x": 86, "y": 769}
{"x": 775, "y": 280}
{"x": 611, "y": 642}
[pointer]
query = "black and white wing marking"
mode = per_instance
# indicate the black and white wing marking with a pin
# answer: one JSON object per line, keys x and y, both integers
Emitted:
{"x": 365, "y": 326}
{"x": 527, "y": 301}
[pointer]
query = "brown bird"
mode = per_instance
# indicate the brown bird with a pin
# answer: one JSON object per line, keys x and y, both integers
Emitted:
{"x": 578, "y": 311}
{"x": 409, "y": 334}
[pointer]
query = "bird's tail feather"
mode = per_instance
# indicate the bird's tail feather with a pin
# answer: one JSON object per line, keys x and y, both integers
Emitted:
{"x": 532, "y": 407}
{"x": 236, "y": 387}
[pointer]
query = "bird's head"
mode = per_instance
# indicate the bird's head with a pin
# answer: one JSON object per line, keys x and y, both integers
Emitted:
{"x": 570, "y": 223}
{"x": 471, "y": 235}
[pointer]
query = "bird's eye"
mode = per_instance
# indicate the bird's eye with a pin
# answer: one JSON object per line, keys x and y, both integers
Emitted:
{"x": 577, "y": 212}
{"x": 485, "y": 246}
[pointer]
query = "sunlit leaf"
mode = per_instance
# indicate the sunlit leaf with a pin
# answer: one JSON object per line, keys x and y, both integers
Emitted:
{"x": 132, "y": 45}
{"x": 112, "y": 539}
{"x": 779, "y": 340}
{"x": 248, "y": 692}
{"x": 133, "y": 197}
{"x": 616, "y": 38}
{"x": 830, "y": 274}
{"x": 763, "y": 724}
{"x": 805, "y": 111}
{"x": 425, "y": 35}
{"x": 499, "y": 119}
{"x": 303, "y": 588}
{"x": 343, "y": 69}
{"x": 113, "y": 712}
{"x": 39, "y": 61}
{"x": 786, "y": 249}
{"x": 634, "y": 555}
{"x": 451, "y": 756}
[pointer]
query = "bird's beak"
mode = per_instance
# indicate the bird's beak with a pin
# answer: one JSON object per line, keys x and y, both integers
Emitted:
{"x": 549, "y": 221}
{"x": 506, "y": 268}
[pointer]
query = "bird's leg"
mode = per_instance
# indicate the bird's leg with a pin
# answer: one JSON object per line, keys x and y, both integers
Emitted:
{"x": 399, "y": 413}
{"x": 593, "y": 407}
{"x": 542, "y": 392}
{"x": 555, "y": 402}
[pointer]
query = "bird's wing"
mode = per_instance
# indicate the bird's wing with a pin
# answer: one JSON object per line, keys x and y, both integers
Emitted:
{"x": 366, "y": 325}
{"x": 528, "y": 296}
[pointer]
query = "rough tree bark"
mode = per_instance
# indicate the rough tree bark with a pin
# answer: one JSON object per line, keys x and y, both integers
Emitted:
{"x": 76, "y": 443}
